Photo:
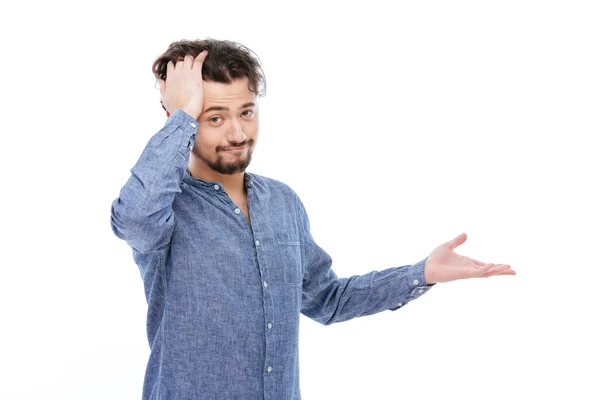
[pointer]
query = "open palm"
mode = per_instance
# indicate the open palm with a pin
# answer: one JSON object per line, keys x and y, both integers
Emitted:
{"x": 444, "y": 265}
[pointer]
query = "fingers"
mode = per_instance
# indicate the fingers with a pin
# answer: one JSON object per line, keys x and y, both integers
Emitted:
{"x": 200, "y": 59}
{"x": 509, "y": 272}
{"x": 179, "y": 63}
{"x": 188, "y": 62}
{"x": 496, "y": 269}
{"x": 170, "y": 69}
{"x": 474, "y": 271}
{"x": 482, "y": 264}
{"x": 197, "y": 67}
{"x": 479, "y": 263}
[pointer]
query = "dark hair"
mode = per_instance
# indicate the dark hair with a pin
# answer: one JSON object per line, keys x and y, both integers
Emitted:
{"x": 225, "y": 62}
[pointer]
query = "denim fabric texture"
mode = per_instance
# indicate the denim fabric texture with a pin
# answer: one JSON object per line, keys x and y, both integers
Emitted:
{"x": 225, "y": 297}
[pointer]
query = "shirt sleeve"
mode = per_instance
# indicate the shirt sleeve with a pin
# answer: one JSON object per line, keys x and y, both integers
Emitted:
{"x": 327, "y": 298}
{"x": 142, "y": 215}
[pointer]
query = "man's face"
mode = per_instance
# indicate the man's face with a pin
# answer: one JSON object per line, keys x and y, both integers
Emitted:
{"x": 221, "y": 130}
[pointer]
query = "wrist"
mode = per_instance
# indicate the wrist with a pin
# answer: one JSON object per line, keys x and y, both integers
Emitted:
{"x": 190, "y": 113}
{"x": 429, "y": 279}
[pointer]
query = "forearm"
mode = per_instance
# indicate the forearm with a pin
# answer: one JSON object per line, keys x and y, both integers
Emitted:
{"x": 341, "y": 299}
{"x": 142, "y": 214}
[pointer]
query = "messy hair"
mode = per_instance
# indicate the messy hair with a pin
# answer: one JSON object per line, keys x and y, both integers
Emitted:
{"x": 226, "y": 61}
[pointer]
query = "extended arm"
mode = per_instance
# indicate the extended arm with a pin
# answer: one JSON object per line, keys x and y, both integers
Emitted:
{"x": 327, "y": 298}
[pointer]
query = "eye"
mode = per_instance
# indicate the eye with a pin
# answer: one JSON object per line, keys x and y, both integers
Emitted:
{"x": 252, "y": 111}
{"x": 211, "y": 119}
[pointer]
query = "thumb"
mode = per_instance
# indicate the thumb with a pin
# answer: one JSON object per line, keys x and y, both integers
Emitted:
{"x": 457, "y": 241}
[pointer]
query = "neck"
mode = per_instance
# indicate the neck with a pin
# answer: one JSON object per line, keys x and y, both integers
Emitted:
{"x": 232, "y": 184}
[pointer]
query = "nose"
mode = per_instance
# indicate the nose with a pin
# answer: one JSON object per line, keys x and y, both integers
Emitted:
{"x": 235, "y": 134}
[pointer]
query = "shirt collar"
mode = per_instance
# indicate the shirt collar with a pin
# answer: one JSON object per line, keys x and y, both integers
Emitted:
{"x": 210, "y": 185}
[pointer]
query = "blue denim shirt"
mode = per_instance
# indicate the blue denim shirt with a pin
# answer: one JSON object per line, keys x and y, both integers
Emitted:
{"x": 225, "y": 297}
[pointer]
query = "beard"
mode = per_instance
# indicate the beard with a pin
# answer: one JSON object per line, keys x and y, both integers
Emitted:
{"x": 227, "y": 167}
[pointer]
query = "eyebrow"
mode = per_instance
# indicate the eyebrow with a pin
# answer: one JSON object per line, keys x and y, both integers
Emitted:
{"x": 221, "y": 108}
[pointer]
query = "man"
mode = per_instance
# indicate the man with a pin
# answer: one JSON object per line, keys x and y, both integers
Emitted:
{"x": 226, "y": 256}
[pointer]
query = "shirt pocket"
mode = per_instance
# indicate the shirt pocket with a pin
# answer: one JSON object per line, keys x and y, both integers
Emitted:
{"x": 291, "y": 258}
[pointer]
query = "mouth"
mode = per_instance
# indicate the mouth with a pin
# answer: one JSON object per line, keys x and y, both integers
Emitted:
{"x": 235, "y": 149}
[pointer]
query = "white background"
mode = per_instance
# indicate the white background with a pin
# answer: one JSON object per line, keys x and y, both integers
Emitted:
{"x": 400, "y": 126}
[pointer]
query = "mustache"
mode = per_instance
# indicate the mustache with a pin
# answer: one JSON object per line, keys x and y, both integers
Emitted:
{"x": 247, "y": 142}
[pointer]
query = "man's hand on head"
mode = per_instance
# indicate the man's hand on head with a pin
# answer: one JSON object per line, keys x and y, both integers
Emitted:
{"x": 183, "y": 88}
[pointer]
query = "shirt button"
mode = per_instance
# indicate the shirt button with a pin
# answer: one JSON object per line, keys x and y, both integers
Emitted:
{"x": 420, "y": 290}
{"x": 399, "y": 304}
{"x": 191, "y": 146}
{"x": 216, "y": 187}
{"x": 416, "y": 282}
{"x": 269, "y": 325}
{"x": 237, "y": 211}
{"x": 269, "y": 369}
{"x": 257, "y": 243}
{"x": 265, "y": 283}
{"x": 193, "y": 125}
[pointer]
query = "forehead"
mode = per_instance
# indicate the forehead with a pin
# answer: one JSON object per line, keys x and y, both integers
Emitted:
{"x": 231, "y": 95}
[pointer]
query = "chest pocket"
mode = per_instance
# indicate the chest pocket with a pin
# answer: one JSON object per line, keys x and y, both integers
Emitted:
{"x": 291, "y": 258}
